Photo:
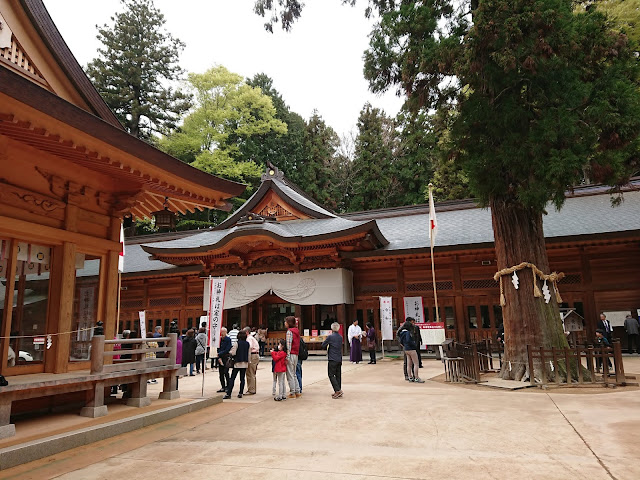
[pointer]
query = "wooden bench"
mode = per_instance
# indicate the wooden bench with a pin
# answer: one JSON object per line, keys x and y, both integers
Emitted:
{"x": 101, "y": 378}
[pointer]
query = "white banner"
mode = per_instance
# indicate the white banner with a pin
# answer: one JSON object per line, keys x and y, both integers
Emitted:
{"x": 313, "y": 287}
{"x": 386, "y": 312}
{"x": 143, "y": 324}
{"x": 217, "y": 288}
{"x": 413, "y": 308}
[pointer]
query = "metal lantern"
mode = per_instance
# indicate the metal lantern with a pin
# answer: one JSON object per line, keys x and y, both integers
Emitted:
{"x": 165, "y": 218}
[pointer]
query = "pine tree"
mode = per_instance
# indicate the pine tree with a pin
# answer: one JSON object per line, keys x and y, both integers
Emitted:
{"x": 135, "y": 68}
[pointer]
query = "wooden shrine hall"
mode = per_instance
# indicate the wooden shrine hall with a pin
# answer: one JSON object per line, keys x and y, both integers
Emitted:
{"x": 69, "y": 172}
{"x": 284, "y": 254}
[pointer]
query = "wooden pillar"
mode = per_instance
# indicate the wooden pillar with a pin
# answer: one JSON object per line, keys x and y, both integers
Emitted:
{"x": 244, "y": 316}
{"x": 63, "y": 280}
{"x": 462, "y": 334}
{"x": 400, "y": 278}
{"x": 314, "y": 317}
{"x": 110, "y": 302}
{"x": 342, "y": 320}
{"x": 5, "y": 321}
{"x": 95, "y": 406}
{"x": 589, "y": 301}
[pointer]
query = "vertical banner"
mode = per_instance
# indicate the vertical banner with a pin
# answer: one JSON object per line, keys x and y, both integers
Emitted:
{"x": 217, "y": 288}
{"x": 413, "y": 308}
{"x": 386, "y": 312}
{"x": 143, "y": 324}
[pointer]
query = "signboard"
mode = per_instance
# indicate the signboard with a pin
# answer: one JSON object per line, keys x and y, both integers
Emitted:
{"x": 413, "y": 308}
{"x": 386, "y": 312}
{"x": 314, "y": 333}
{"x": 617, "y": 318}
{"x": 38, "y": 340}
{"x": 143, "y": 324}
{"x": 572, "y": 322}
{"x": 217, "y": 288}
{"x": 432, "y": 333}
{"x": 306, "y": 332}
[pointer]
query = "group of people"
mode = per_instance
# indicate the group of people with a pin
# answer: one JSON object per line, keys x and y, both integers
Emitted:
{"x": 355, "y": 336}
{"x": 411, "y": 339}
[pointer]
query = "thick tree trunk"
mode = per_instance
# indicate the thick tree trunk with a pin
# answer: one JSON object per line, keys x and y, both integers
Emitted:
{"x": 528, "y": 320}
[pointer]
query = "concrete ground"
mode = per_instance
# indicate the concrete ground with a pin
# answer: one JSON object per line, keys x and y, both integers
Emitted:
{"x": 383, "y": 427}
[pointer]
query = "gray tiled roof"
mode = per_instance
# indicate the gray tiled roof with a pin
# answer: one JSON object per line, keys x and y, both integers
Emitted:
{"x": 301, "y": 199}
{"x": 580, "y": 216}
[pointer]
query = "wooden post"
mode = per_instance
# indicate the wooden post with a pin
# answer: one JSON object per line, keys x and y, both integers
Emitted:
{"x": 95, "y": 406}
{"x": 97, "y": 354}
{"x": 579, "y": 360}
{"x": 590, "y": 364}
{"x": 12, "y": 252}
{"x": 543, "y": 372}
{"x": 66, "y": 266}
{"x": 617, "y": 358}
{"x": 568, "y": 365}
{"x": 342, "y": 320}
{"x": 173, "y": 343}
{"x": 555, "y": 365}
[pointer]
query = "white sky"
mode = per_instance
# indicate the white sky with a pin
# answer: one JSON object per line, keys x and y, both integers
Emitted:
{"x": 318, "y": 65}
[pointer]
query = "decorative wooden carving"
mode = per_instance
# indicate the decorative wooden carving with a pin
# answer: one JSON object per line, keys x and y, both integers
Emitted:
{"x": 30, "y": 201}
{"x": 273, "y": 209}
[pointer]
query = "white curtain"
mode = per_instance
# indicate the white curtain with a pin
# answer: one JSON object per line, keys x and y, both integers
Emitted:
{"x": 314, "y": 287}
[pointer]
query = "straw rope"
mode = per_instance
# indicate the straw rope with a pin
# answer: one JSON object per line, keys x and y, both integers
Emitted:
{"x": 535, "y": 272}
{"x": 47, "y": 334}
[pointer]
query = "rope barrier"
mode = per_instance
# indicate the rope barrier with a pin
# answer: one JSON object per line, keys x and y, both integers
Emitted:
{"x": 47, "y": 334}
{"x": 535, "y": 272}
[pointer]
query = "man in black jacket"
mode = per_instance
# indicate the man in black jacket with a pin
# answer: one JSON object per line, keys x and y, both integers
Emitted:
{"x": 333, "y": 344}
{"x": 605, "y": 326}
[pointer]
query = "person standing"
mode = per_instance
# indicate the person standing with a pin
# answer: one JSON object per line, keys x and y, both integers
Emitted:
{"x": 409, "y": 346}
{"x": 398, "y": 336}
{"x": 254, "y": 360}
{"x": 605, "y": 326}
{"x": 158, "y": 334}
{"x": 371, "y": 343}
{"x": 279, "y": 359}
{"x": 633, "y": 333}
{"x": 293, "y": 347}
{"x": 262, "y": 339}
{"x": 201, "y": 349}
{"x": 189, "y": 351}
{"x": 417, "y": 338}
{"x": 233, "y": 334}
{"x": 224, "y": 351}
{"x": 333, "y": 344}
{"x": 355, "y": 334}
{"x": 240, "y": 351}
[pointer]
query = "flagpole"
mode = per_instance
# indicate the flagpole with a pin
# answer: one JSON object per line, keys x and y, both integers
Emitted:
{"x": 431, "y": 235}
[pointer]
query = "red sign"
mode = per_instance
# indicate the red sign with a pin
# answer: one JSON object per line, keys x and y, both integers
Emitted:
{"x": 314, "y": 333}
{"x": 38, "y": 340}
{"x": 431, "y": 325}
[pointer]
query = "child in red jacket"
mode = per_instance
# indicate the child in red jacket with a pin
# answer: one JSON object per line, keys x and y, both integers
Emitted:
{"x": 279, "y": 368}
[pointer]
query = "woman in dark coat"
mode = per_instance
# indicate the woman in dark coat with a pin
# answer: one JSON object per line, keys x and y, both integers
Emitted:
{"x": 189, "y": 351}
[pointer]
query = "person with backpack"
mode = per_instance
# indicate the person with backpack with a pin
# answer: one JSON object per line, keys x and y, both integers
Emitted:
{"x": 409, "y": 345}
{"x": 303, "y": 354}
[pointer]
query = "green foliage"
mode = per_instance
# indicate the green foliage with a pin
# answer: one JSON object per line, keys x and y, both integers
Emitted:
{"x": 228, "y": 114}
{"x": 624, "y": 15}
{"x": 315, "y": 175}
{"x": 285, "y": 151}
{"x": 135, "y": 68}
{"x": 542, "y": 94}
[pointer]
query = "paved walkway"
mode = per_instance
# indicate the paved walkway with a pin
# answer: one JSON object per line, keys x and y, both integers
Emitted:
{"x": 382, "y": 428}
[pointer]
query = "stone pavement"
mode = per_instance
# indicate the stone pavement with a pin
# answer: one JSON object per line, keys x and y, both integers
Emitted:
{"x": 382, "y": 428}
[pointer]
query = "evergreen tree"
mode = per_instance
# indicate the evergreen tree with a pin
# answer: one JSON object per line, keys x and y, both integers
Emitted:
{"x": 285, "y": 151}
{"x": 375, "y": 183}
{"x": 315, "y": 175}
{"x": 135, "y": 68}
{"x": 541, "y": 95}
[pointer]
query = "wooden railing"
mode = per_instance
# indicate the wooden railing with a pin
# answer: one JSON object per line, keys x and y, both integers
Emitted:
{"x": 578, "y": 365}
{"x": 138, "y": 353}
{"x": 487, "y": 352}
{"x": 461, "y": 363}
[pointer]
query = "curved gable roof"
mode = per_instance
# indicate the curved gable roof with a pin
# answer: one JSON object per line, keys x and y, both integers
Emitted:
{"x": 50, "y": 35}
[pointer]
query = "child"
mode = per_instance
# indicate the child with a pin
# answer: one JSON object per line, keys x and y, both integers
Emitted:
{"x": 601, "y": 340}
{"x": 279, "y": 368}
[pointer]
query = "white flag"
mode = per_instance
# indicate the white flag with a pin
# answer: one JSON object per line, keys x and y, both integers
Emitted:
{"x": 121, "y": 257}
{"x": 433, "y": 224}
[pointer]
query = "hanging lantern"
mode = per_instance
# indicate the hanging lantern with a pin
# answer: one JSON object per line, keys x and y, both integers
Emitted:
{"x": 165, "y": 218}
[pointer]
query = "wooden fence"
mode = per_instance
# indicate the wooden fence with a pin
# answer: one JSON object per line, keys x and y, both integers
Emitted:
{"x": 138, "y": 354}
{"x": 577, "y": 365}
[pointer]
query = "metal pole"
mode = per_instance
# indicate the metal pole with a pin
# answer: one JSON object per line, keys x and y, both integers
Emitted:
{"x": 433, "y": 271}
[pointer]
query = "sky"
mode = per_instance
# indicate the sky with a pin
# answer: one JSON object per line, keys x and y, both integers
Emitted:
{"x": 316, "y": 66}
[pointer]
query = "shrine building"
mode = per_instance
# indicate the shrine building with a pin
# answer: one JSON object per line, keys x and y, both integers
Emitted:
{"x": 284, "y": 254}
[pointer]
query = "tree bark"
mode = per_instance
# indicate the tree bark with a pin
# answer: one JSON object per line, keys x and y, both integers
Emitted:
{"x": 528, "y": 320}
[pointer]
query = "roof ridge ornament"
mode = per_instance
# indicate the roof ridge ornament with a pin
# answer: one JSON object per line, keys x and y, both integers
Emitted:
{"x": 254, "y": 218}
{"x": 271, "y": 173}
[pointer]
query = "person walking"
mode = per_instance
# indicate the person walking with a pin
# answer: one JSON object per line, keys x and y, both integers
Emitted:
{"x": 293, "y": 347}
{"x": 633, "y": 330}
{"x": 262, "y": 339}
{"x": 224, "y": 352}
{"x": 158, "y": 334}
{"x": 201, "y": 349}
{"x": 240, "y": 352}
{"x": 355, "y": 334}
{"x": 409, "y": 345}
{"x": 398, "y": 336}
{"x": 279, "y": 359}
{"x": 233, "y": 334}
{"x": 254, "y": 360}
{"x": 333, "y": 345}
{"x": 189, "y": 351}
{"x": 371, "y": 343}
